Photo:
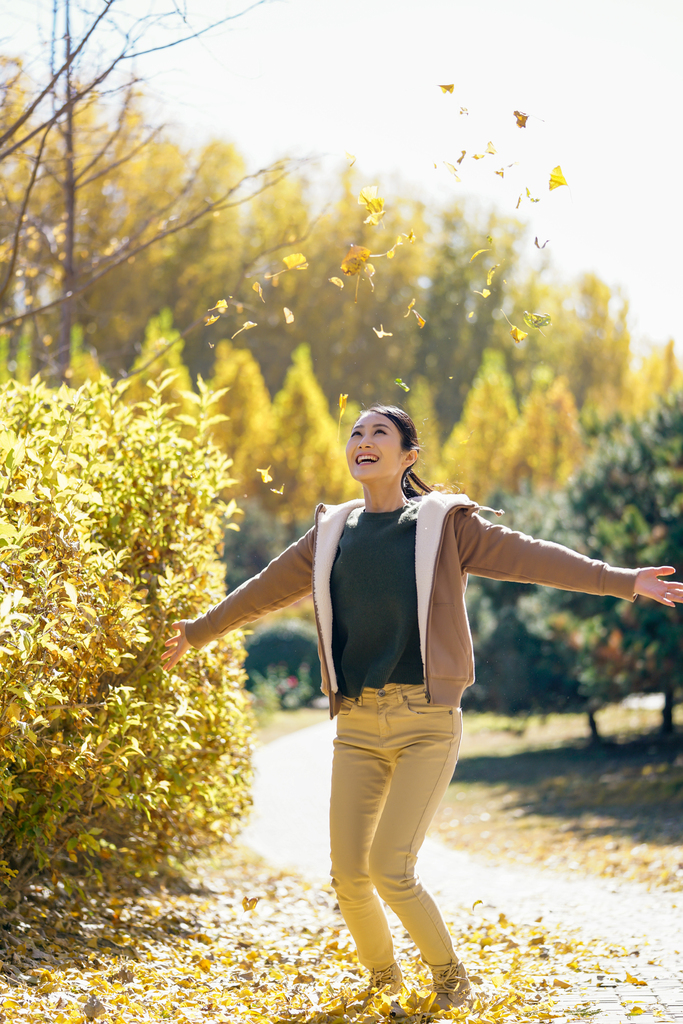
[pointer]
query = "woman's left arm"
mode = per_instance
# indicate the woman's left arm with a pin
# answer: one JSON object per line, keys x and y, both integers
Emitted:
{"x": 488, "y": 549}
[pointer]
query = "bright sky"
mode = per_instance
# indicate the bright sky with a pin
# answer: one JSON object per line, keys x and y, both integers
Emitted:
{"x": 604, "y": 79}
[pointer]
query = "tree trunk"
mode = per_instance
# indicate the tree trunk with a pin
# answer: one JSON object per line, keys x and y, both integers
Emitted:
{"x": 69, "y": 187}
{"x": 595, "y": 735}
{"x": 668, "y": 712}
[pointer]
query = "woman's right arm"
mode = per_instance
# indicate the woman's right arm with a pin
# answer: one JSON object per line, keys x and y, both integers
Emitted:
{"x": 285, "y": 580}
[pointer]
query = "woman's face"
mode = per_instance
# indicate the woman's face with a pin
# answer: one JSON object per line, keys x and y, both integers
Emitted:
{"x": 374, "y": 451}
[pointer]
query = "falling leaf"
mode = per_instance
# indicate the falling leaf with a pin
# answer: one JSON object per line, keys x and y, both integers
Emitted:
{"x": 354, "y": 260}
{"x": 478, "y": 253}
{"x": 461, "y": 157}
{"x": 221, "y": 306}
{"x": 246, "y": 326}
{"x": 336, "y": 280}
{"x": 381, "y": 333}
{"x": 489, "y": 239}
{"x": 540, "y": 246}
{"x": 485, "y": 293}
{"x": 342, "y": 410}
{"x": 265, "y": 475}
{"x": 470, "y": 315}
{"x": 401, "y": 384}
{"x": 478, "y": 156}
{"x": 256, "y": 287}
{"x": 489, "y": 276}
{"x": 491, "y": 148}
{"x": 297, "y": 261}
{"x": 278, "y": 490}
{"x": 520, "y": 118}
{"x": 369, "y": 272}
{"x": 464, "y": 110}
{"x": 536, "y": 320}
{"x": 446, "y": 88}
{"x": 211, "y": 320}
{"x": 557, "y": 178}
{"x": 410, "y": 306}
{"x": 501, "y": 172}
{"x": 373, "y": 203}
{"x": 517, "y": 334}
{"x": 289, "y": 316}
{"x": 249, "y": 902}
{"x": 350, "y": 157}
{"x": 529, "y": 196}
{"x": 420, "y": 320}
{"x": 72, "y": 592}
{"x": 451, "y": 168}
{"x": 476, "y": 903}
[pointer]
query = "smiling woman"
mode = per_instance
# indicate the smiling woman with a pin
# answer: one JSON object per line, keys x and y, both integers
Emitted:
{"x": 388, "y": 575}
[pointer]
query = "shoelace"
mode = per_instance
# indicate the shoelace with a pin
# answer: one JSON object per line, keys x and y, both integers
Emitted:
{"x": 451, "y": 979}
{"x": 380, "y": 978}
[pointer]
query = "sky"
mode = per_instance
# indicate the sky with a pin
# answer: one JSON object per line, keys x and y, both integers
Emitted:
{"x": 603, "y": 81}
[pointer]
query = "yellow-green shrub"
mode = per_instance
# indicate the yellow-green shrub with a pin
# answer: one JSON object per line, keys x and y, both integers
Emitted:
{"x": 109, "y": 524}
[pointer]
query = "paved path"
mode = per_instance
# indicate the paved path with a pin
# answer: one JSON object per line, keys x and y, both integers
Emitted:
{"x": 290, "y": 829}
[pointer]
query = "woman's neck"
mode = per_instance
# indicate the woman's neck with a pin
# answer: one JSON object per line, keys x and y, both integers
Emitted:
{"x": 383, "y": 499}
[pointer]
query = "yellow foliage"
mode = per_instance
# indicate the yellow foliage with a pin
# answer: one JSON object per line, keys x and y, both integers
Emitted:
{"x": 653, "y": 376}
{"x": 161, "y": 350}
{"x": 546, "y": 445}
{"x": 307, "y": 458}
{"x": 247, "y": 433}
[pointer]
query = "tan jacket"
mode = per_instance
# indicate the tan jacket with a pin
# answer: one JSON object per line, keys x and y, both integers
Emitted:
{"x": 451, "y": 541}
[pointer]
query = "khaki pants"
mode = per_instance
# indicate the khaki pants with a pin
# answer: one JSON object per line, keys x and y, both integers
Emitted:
{"x": 394, "y": 755}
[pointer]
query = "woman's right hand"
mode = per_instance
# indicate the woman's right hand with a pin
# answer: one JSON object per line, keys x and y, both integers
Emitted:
{"x": 176, "y": 646}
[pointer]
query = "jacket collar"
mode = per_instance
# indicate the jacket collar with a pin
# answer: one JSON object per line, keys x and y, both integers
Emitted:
{"x": 330, "y": 523}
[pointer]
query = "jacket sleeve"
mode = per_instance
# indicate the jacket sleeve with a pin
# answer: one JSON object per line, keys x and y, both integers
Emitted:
{"x": 487, "y": 549}
{"x": 283, "y": 581}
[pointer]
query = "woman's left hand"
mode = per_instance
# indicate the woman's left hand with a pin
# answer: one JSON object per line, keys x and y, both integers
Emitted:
{"x": 648, "y": 584}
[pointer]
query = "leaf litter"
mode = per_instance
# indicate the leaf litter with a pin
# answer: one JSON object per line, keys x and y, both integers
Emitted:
{"x": 240, "y": 942}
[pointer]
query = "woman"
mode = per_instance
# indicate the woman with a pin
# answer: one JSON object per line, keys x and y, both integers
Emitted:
{"x": 388, "y": 575}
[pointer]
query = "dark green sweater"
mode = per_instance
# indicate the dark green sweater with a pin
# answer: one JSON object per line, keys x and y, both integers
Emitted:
{"x": 375, "y": 635}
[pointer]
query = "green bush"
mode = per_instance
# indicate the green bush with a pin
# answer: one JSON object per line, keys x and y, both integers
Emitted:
{"x": 110, "y": 519}
{"x": 283, "y": 660}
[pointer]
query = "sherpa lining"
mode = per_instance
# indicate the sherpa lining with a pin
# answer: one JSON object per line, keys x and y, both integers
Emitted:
{"x": 434, "y": 508}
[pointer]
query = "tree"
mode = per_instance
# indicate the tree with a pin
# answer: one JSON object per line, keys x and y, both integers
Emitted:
{"x": 476, "y": 455}
{"x": 308, "y": 459}
{"x": 162, "y": 350}
{"x": 546, "y": 445}
{"x": 247, "y": 432}
{"x": 420, "y": 405}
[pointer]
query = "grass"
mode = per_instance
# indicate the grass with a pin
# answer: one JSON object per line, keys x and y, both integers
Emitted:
{"x": 538, "y": 791}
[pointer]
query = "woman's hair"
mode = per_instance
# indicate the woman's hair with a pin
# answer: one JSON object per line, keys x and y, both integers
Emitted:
{"x": 411, "y": 485}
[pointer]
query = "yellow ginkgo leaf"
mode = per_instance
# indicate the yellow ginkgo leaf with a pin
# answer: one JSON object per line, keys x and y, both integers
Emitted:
{"x": 470, "y": 315}
{"x": 410, "y": 306}
{"x": 72, "y": 593}
{"x": 485, "y": 293}
{"x": 491, "y": 148}
{"x": 256, "y": 287}
{"x": 517, "y": 334}
{"x": 635, "y": 1011}
{"x": 246, "y": 326}
{"x": 350, "y": 157}
{"x": 557, "y": 178}
{"x": 369, "y": 272}
{"x": 447, "y": 88}
{"x": 373, "y": 203}
{"x": 221, "y": 305}
{"x": 278, "y": 490}
{"x": 265, "y": 475}
{"x": 489, "y": 276}
{"x": 401, "y": 384}
{"x": 211, "y": 320}
{"x": 297, "y": 261}
{"x": 536, "y": 320}
{"x": 557, "y": 982}
{"x": 478, "y": 156}
{"x": 464, "y": 110}
{"x": 478, "y": 253}
{"x": 420, "y": 320}
{"x": 336, "y": 280}
{"x": 529, "y": 196}
{"x": 520, "y": 118}
{"x": 249, "y": 902}
{"x": 451, "y": 168}
{"x": 289, "y": 316}
{"x": 381, "y": 333}
{"x": 354, "y": 260}
{"x": 461, "y": 157}
{"x": 501, "y": 172}
{"x": 342, "y": 409}
{"x": 633, "y": 980}
{"x": 477, "y": 903}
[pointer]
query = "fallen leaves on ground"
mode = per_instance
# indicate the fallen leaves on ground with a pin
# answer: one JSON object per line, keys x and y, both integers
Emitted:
{"x": 171, "y": 954}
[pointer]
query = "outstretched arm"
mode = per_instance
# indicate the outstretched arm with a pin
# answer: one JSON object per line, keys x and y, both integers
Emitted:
{"x": 649, "y": 585}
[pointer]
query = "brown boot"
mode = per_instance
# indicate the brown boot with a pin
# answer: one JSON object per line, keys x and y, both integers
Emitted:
{"x": 451, "y": 986}
{"x": 389, "y": 979}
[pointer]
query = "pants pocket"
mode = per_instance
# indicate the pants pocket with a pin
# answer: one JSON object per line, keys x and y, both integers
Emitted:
{"x": 418, "y": 704}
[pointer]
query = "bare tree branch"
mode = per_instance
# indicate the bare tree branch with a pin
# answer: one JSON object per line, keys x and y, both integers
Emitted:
{"x": 22, "y": 214}
{"x": 199, "y": 33}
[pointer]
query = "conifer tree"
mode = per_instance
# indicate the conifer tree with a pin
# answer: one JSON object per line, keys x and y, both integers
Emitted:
{"x": 476, "y": 456}
{"x": 247, "y": 434}
{"x": 309, "y": 460}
